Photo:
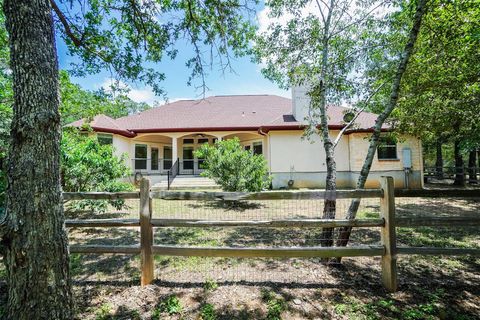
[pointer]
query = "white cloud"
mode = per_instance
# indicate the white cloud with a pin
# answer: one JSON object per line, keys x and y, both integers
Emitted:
{"x": 144, "y": 94}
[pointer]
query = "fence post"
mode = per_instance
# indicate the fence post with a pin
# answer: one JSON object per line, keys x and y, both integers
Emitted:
{"x": 388, "y": 235}
{"x": 146, "y": 232}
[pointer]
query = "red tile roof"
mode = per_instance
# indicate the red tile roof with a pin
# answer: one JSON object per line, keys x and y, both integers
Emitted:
{"x": 219, "y": 113}
{"x": 103, "y": 123}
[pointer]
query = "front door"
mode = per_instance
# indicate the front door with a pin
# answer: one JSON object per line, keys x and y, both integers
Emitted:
{"x": 187, "y": 165}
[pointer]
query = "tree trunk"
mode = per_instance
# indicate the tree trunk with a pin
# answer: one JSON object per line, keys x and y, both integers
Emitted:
{"x": 459, "y": 170}
{"x": 344, "y": 232}
{"x": 439, "y": 162}
{"x": 35, "y": 244}
{"x": 472, "y": 170}
{"x": 330, "y": 202}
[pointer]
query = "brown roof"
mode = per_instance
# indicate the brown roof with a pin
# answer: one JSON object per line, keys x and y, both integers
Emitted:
{"x": 219, "y": 113}
{"x": 103, "y": 123}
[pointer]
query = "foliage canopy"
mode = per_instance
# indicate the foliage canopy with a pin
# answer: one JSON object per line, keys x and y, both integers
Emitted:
{"x": 87, "y": 165}
{"x": 234, "y": 168}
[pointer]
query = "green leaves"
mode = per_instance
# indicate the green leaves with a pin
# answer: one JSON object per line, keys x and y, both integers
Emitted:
{"x": 77, "y": 103}
{"x": 86, "y": 165}
{"x": 233, "y": 168}
{"x": 441, "y": 91}
{"x": 127, "y": 37}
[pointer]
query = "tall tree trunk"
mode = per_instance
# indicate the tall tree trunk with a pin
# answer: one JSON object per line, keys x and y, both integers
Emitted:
{"x": 472, "y": 170}
{"x": 344, "y": 233}
{"x": 35, "y": 244}
{"x": 330, "y": 202}
{"x": 439, "y": 162}
{"x": 459, "y": 169}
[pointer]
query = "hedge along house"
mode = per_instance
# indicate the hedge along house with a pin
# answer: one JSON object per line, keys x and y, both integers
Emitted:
{"x": 164, "y": 137}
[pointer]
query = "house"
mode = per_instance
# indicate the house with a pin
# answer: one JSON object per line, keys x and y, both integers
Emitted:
{"x": 265, "y": 124}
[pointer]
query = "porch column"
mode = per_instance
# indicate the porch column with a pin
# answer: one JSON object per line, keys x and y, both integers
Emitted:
{"x": 174, "y": 149}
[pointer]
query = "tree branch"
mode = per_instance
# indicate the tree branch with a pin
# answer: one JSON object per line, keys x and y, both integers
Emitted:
{"x": 349, "y": 124}
{"x": 68, "y": 30}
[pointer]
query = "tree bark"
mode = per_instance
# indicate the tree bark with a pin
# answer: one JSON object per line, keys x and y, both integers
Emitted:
{"x": 330, "y": 203}
{"x": 344, "y": 232}
{"x": 439, "y": 162}
{"x": 459, "y": 169}
{"x": 36, "y": 251}
{"x": 472, "y": 170}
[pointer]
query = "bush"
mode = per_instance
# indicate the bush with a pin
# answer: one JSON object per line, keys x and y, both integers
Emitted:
{"x": 233, "y": 168}
{"x": 89, "y": 166}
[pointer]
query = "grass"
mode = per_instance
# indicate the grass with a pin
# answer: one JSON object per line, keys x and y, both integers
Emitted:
{"x": 275, "y": 305}
{"x": 207, "y": 312}
{"x": 196, "y": 287}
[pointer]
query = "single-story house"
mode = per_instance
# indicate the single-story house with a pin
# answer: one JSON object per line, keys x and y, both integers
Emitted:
{"x": 265, "y": 124}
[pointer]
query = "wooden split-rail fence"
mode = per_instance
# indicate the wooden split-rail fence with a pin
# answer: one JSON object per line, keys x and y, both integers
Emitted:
{"x": 388, "y": 222}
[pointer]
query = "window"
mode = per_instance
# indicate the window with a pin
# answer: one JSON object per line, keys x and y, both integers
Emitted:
{"x": 247, "y": 148}
{"x": 187, "y": 158}
{"x": 104, "y": 139}
{"x": 188, "y": 141}
{"x": 140, "y": 156}
{"x": 257, "y": 148}
{"x": 202, "y": 140}
{"x": 167, "y": 158}
{"x": 387, "y": 149}
{"x": 154, "y": 161}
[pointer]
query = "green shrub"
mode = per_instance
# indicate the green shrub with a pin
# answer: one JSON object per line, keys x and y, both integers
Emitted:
{"x": 86, "y": 165}
{"x": 207, "y": 312}
{"x": 171, "y": 306}
{"x": 233, "y": 168}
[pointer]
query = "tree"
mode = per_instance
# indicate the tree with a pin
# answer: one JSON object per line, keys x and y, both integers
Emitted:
{"x": 233, "y": 168}
{"x": 336, "y": 50}
{"x": 77, "y": 103}
{"x": 87, "y": 165}
{"x": 441, "y": 90}
{"x": 122, "y": 36}
{"x": 38, "y": 280}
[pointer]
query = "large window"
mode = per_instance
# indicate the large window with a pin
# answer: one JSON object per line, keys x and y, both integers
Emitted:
{"x": 257, "y": 148}
{"x": 104, "y": 139}
{"x": 387, "y": 149}
{"x": 154, "y": 161}
{"x": 167, "y": 158}
{"x": 140, "y": 156}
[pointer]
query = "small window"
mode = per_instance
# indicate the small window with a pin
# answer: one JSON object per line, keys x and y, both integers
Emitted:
{"x": 387, "y": 149}
{"x": 104, "y": 139}
{"x": 257, "y": 148}
{"x": 154, "y": 159}
{"x": 140, "y": 156}
{"x": 202, "y": 140}
{"x": 188, "y": 141}
{"x": 247, "y": 148}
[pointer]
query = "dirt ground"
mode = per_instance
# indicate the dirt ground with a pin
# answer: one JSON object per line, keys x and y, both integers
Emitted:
{"x": 430, "y": 287}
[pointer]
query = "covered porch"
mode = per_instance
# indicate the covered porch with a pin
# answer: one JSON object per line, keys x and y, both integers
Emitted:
{"x": 158, "y": 153}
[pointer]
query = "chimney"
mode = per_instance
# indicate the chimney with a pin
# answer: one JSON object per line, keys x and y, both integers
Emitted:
{"x": 300, "y": 103}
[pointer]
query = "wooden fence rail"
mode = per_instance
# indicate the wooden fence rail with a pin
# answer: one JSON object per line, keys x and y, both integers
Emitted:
{"x": 388, "y": 222}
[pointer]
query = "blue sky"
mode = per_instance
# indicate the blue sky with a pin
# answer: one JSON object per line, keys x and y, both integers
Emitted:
{"x": 247, "y": 78}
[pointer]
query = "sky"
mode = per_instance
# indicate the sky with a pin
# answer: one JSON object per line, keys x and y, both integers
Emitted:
{"x": 246, "y": 79}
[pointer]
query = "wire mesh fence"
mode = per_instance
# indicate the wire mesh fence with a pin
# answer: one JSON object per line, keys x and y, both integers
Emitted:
{"x": 298, "y": 270}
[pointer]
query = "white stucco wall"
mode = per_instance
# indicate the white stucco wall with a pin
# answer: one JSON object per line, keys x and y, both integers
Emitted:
{"x": 288, "y": 149}
{"x": 303, "y": 160}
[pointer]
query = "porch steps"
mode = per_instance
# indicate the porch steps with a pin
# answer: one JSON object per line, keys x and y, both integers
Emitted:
{"x": 187, "y": 183}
